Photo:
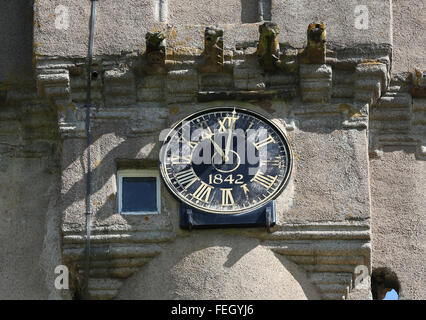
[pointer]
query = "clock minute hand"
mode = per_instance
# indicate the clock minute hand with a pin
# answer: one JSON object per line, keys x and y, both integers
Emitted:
{"x": 228, "y": 144}
{"x": 231, "y": 131}
{"x": 217, "y": 148}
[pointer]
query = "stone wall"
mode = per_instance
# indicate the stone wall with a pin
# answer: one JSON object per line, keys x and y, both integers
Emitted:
{"x": 409, "y": 18}
{"x": 397, "y": 175}
{"x": 398, "y": 183}
{"x": 16, "y": 23}
{"x": 323, "y": 217}
{"x": 29, "y": 222}
{"x": 30, "y": 241}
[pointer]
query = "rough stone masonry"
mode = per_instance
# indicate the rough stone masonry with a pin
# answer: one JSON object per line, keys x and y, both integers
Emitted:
{"x": 345, "y": 83}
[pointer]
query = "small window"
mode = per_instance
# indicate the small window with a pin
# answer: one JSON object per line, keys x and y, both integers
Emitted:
{"x": 384, "y": 280}
{"x": 139, "y": 192}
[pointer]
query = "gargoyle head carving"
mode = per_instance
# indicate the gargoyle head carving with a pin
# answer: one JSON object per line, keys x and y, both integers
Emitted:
{"x": 213, "y": 50}
{"x": 155, "y": 41}
{"x": 268, "y": 49}
{"x": 155, "y": 48}
{"x": 315, "y": 51}
{"x": 213, "y": 36}
{"x": 316, "y": 34}
{"x": 419, "y": 83}
{"x": 269, "y": 29}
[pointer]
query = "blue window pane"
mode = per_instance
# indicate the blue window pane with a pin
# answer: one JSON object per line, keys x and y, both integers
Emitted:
{"x": 139, "y": 194}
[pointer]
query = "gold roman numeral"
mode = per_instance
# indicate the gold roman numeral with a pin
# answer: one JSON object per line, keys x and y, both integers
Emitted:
{"x": 276, "y": 162}
{"x": 177, "y": 160}
{"x": 227, "y": 198}
{"x": 264, "y": 180}
{"x": 228, "y": 122}
{"x": 264, "y": 142}
{"x": 183, "y": 140}
{"x": 203, "y": 192}
{"x": 245, "y": 189}
{"x": 186, "y": 177}
{"x": 206, "y": 132}
{"x": 250, "y": 125}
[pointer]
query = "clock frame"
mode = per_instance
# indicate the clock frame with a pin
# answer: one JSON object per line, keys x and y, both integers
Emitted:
{"x": 237, "y": 180}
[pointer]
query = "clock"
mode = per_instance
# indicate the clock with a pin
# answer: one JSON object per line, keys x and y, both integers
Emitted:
{"x": 225, "y": 161}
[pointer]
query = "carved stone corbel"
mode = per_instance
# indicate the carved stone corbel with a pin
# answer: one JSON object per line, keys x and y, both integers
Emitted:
{"x": 213, "y": 50}
{"x": 419, "y": 83}
{"x": 268, "y": 49}
{"x": 155, "y": 52}
{"x": 315, "y": 51}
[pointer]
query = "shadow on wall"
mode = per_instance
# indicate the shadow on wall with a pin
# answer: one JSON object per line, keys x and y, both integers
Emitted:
{"x": 393, "y": 149}
{"x": 16, "y": 51}
{"x": 253, "y": 11}
{"x": 300, "y": 276}
{"x": 104, "y": 170}
{"x": 207, "y": 264}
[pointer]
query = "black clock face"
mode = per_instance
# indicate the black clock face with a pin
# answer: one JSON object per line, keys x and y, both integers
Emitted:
{"x": 226, "y": 161}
